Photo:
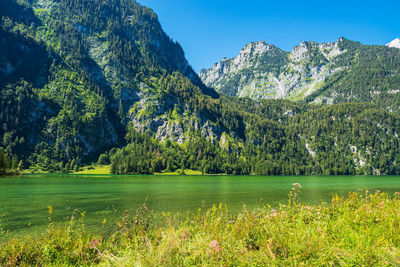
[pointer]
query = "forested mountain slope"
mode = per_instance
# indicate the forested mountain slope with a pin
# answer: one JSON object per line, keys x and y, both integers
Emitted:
{"x": 343, "y": 71}
{"x": 81, "y": 79}
{"x": 280, "y": 137}
{"x": 74, "y": 73}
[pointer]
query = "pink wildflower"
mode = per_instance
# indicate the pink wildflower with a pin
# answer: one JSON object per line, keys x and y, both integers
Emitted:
{"x": 274, "y": 213}
{"x": 214, "y": 246}
{"x": 94, "y": 243}
{"x": 185, "y": 235}
{"x": 298, "y": 185}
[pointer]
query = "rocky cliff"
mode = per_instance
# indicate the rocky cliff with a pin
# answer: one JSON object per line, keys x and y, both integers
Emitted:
{"x": 327, "y": 72}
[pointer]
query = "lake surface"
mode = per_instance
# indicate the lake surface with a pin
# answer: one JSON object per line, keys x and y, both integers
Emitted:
{"x": 24, "y": 200}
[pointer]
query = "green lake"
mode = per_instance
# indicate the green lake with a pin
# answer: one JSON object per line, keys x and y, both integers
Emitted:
{"x": 24, "y": 200}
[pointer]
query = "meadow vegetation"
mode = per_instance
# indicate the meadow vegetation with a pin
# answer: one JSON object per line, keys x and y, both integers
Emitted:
{"x": 359, "y": 229}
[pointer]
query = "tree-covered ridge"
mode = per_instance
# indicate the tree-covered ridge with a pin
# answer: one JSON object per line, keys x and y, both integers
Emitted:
{"x": 52, "y": 100}
{"x": 352, "y": 138}
{"x": 344, "y": 71}
{"x": 83, "y": 66}
{"x": 370, "y": 74}
{"x": 297, "y": 140}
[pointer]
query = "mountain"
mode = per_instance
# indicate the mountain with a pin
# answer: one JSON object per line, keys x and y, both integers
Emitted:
{"x": 74, "y": 74}
{"x": 262, "y": 70}
{"x": 394, "y": 44}
{"x": 86, "y": 81}
{"x": 342, "y": 71}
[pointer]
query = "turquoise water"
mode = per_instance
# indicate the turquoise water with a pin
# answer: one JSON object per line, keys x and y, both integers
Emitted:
{"x": 24, "y": 200}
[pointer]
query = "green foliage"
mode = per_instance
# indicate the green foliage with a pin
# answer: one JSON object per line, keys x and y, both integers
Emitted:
{"x": 300, "y": 140}
{"x": 360, "y": 229}
{"x": 104, "y": 159}
{"x": 352, "y": 138}
{"x": 9, "y": 165}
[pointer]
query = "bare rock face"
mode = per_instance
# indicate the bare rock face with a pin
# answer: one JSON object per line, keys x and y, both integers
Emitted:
{"x": 264, "y": 71}
{"x": 394, "y": 44}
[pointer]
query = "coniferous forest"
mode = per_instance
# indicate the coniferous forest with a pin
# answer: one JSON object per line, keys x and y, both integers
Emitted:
{"x": 94, "y": 81}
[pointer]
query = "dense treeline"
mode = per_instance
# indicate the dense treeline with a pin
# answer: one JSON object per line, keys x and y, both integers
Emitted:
{"x": 145, "y": 155}
{"x": 352, "y": 138}
{"x": 339, "y": 139}
{"x": 8, "y": 165}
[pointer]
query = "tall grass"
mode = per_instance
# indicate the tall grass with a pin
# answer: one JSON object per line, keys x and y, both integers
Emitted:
{"x": 359, "y": 229}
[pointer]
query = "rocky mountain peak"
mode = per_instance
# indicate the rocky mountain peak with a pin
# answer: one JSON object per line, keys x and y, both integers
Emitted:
{"x": 251, "y": 51}
{"x": 254, "y": 55}
{"x": 307, "y": 50}
{"x": 302, "y": 51}
{"x": 395, "y": 43}
{"x": 256, "y": 48}
{"x": 262, "y": 70}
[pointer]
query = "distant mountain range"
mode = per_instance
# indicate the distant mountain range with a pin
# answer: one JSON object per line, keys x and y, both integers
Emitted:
{"x": 342, "y": 71}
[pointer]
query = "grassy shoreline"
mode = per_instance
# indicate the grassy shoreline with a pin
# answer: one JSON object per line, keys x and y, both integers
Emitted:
{"x": 106, "y": 170}
{"x": 361, "y": 229}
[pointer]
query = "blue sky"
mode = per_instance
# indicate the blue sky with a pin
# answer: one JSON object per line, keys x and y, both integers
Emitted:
{"x": 209, "y": 30}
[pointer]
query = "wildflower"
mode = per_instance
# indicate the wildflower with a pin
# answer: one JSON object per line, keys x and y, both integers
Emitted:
{"x": 297, "y": 185}
{"x": 274, "y": 213}
{"x": 214, "y": 246}
{"x": 185, "y": 235}
{"x": 94, "y": 243}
